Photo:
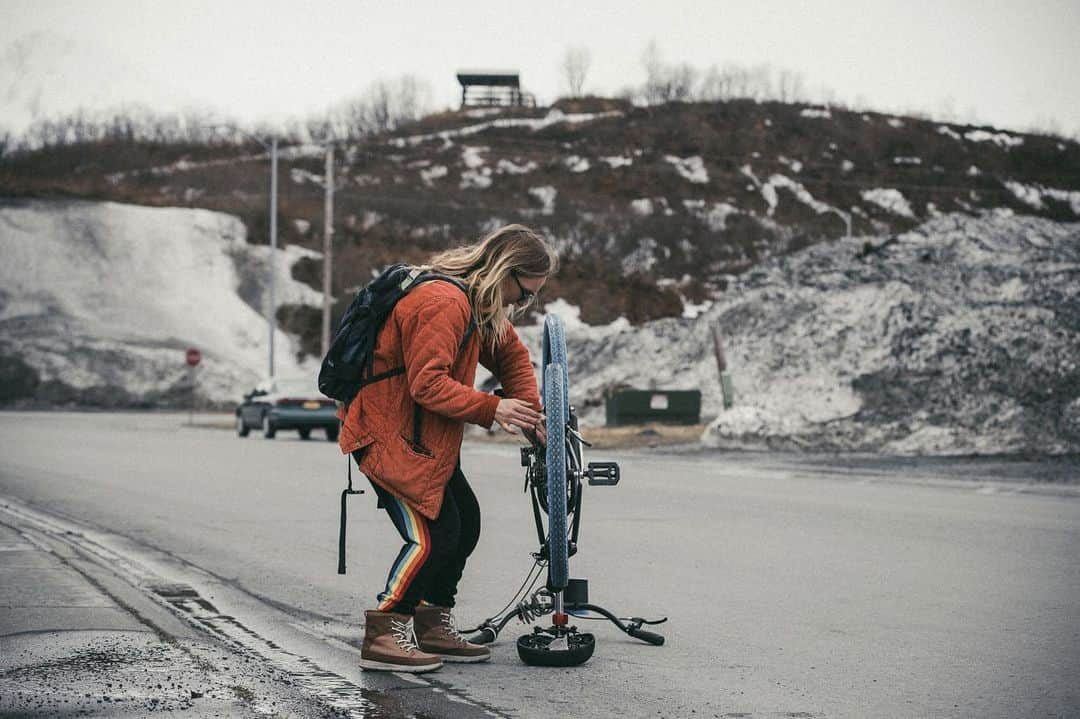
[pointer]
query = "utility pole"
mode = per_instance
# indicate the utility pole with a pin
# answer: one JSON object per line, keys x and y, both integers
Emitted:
{"x": 273, "y": 248}
{"x": 328, "y": 234}
{"x": 727, "y": 389}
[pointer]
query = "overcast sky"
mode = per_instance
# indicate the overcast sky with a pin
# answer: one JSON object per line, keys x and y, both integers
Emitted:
{"x": 1010, "y": 64}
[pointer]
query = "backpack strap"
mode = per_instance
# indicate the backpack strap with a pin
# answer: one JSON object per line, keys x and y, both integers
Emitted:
{"x": 407, "y": 284}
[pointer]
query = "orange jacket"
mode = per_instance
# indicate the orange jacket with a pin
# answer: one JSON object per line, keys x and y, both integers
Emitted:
{"x": 424, "y": 334}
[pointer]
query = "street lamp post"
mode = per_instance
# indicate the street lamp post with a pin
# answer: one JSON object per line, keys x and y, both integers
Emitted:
{"x": 273, "y": 247}
{"x": 328, "y": 235}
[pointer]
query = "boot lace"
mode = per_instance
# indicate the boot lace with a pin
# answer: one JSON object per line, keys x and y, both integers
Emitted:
{"x": 403, "y": 635}
{"x": 450, "y": 625}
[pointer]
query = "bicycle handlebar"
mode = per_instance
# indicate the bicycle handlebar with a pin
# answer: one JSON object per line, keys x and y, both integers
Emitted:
{"x": 646, "y": 636}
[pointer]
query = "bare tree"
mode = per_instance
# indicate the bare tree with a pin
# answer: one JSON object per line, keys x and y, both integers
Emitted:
{"x": 713, "y": 85}
{"x": 664, "y": 82}
{"x": 383, "y": 106}
{"x": 575, "y": 67}
{"x": 1047, "y": 125}
{"x": 790, "y": 86}
{"x": 655, "y": 82}
{"x": 760, "y": 82}
{"x": 681, "y": 81}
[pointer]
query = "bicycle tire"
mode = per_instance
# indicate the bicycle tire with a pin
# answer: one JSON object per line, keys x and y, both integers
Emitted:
{"x": 555, "y": 354}
{"x": 555, "y": 408}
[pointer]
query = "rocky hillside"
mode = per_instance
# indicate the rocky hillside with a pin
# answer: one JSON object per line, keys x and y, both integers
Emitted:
{"x": 655, "y": 209}
{"x": 949, "y": 322}
{"x": 961, "y": 335}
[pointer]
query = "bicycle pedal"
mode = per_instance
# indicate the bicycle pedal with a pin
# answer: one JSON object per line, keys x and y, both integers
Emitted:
{"x": 602, "y": 473}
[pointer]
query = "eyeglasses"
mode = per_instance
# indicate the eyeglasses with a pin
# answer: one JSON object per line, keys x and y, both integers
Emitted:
{"x": 527, "y": 295}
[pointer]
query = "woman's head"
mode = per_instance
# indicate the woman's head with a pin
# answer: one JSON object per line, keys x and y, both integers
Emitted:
{"x": 505, "y": 269}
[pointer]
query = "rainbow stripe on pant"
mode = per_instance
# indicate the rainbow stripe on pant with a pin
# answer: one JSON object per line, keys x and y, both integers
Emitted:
{"x": 412, "y": 556}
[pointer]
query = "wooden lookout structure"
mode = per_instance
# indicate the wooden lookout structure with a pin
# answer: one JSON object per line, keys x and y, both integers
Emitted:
{"x": 493, "y": 88}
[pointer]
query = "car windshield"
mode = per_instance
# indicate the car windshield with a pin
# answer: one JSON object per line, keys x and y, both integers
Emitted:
{"x": 296, "y": 387}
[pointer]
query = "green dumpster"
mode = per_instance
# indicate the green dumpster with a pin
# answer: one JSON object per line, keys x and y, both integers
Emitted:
{"x": 638, "y": 406}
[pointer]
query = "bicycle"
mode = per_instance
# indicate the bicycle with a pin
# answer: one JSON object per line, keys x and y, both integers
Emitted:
{"x": 553, "y": 480}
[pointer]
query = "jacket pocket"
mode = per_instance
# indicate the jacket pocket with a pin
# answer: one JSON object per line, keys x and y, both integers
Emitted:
{"x": 416, "y": 449}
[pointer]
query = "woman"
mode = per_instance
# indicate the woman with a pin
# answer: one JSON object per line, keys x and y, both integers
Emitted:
{"x": 405, "y": 432}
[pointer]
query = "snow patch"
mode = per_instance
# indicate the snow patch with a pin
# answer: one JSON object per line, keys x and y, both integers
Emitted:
{"x": 301, "y": 177}
{"x": 1033, "y": 195}
{"x": 1001, "y": 139}
{"x": 509, "y": 167}
{"x": 768, "y": 191}
{"x": 715, "y": 216}
{"x": 111, "y": 295}
{"x": 693, "y": 310}
{"x": 470, "y": 156}
{"x": 689, "y": 168}
{"x": 433, "y": 173}
{"x": 575, "y": 163}
{"x": 546, "y": 195}
{"x": 642, "y": 206}
{"x": 948, "y": 132}
{"x": 472, "y": 179}
{"x": 615, "y": 161}
{"x": 890, "y": 200}
{"x": 749, "y": 172}
{"x": 642, "y": 259}
{"x": 568, "y": 313}
{"x": 553, "y": 117}
{"x": 821, "y": 113}
{"x": 477, "y": 175}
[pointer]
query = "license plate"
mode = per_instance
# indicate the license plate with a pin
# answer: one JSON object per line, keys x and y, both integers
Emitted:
{"x": 311, "y": 405}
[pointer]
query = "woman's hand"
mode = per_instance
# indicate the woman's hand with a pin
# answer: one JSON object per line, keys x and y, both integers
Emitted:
{"x": 514, "y": 414}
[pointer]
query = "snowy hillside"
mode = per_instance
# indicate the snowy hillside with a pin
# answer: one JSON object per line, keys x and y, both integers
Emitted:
{"x": 100, "y": 300}
{"x": 960, "y": 336}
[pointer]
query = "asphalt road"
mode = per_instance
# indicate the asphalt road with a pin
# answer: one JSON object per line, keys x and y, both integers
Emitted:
{"x": 795, "y": 586}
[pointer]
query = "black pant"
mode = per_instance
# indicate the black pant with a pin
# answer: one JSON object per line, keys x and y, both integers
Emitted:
{"x": 430, "y": 563}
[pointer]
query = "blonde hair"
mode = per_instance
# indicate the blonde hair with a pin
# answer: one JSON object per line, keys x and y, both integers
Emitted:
{"x": 483, "y": 266}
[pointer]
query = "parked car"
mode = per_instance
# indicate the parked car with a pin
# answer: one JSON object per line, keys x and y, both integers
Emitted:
{"x": 291, "y": 403}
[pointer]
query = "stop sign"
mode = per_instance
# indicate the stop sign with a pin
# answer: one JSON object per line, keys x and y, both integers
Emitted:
{"x": 193, "y": 357}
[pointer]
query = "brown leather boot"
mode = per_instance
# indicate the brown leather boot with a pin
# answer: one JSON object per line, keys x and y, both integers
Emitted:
{"x": 437, "y": 633}
{"x": 389, "y": 645}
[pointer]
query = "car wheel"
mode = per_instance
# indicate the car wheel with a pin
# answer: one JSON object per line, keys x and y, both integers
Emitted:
{"x": 304, "y": 433}
{"x": 269, "y": 429}
{"x": 242, "y": 429}
{"x": 331, "y": 434}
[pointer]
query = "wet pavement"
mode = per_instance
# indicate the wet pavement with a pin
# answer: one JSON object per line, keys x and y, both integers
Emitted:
{"x": 74, "y": 642}
{"x": 813, "y": 586}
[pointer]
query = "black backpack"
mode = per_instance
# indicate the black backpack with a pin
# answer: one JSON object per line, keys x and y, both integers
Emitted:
{"x": 347, "y": 366}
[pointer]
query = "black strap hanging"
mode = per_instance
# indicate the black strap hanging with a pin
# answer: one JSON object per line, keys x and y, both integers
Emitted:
{"x": 416, "y": 445}
{"x": 341, "y": 533}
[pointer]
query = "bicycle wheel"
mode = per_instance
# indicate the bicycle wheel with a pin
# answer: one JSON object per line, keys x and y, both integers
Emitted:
{"x": 555, "y": 408}
{"x": 555, "y": 354}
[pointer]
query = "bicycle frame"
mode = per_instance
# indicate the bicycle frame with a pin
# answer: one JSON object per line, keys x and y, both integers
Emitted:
{"x": 553, "y": 480}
